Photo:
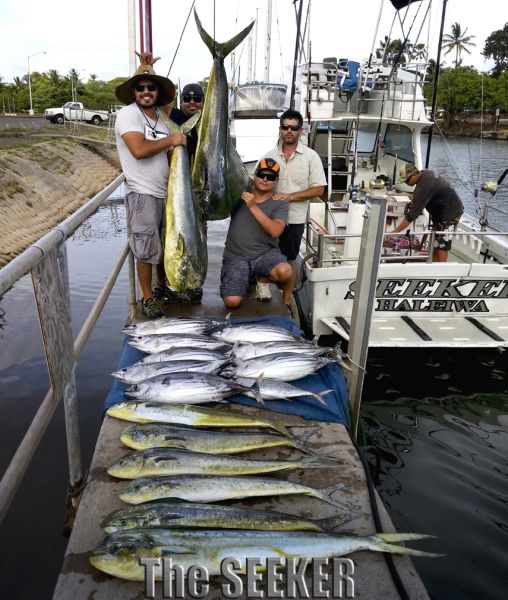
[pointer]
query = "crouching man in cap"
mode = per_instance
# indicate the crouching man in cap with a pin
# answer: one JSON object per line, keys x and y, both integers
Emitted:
{"x": 442, "y": 202}
{"x": 252, "y": 242}
{"x": 143, "y": 142}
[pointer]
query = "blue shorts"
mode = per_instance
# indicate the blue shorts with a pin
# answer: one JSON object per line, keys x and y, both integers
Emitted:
{"x": 237, "y": 273}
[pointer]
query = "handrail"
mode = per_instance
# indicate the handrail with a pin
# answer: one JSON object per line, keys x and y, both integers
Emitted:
{"x": 23, "y": 263}
{"x": 29, "y": 261}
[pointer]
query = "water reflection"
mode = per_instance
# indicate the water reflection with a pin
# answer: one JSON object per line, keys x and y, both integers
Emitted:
{"x": 444, "y": 449}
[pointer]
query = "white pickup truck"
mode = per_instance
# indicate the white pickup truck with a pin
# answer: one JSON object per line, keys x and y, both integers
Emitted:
{"x": 75, "y": 111}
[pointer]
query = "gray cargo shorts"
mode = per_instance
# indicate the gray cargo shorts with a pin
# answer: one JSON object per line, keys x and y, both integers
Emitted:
{"x": 146, "y": 216}
{"x": 237, "y": 273}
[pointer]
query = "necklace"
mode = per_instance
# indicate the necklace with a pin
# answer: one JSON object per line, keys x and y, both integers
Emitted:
{"x": 153, "y": 128}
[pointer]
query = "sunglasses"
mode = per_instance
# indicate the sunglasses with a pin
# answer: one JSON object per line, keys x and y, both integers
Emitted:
{"x": 267, "y": 176}
{"x": 195, "y": 99}
{"x": 292, "y": 127}
{"x": 141, "y": 87}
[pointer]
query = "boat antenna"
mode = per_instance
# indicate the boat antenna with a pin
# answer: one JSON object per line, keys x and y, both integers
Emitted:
{"x": 436, "y": 81}
{"x": 181, "y": 36}
{"x": 297, "y": 43}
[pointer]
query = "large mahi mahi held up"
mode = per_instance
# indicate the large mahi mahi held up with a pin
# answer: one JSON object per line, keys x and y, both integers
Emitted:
{"x": 185, "y": 253}
{"x": 218, "y": 170}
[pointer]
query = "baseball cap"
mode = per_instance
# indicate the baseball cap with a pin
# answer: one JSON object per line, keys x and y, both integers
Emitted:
{"x": 410, "y": 171}
{"x": 268, "y": 164}
{"x": 193, "y": 89}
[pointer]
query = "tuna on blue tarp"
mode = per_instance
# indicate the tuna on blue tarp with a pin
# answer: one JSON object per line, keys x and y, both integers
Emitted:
{"x": 335, "y": 409}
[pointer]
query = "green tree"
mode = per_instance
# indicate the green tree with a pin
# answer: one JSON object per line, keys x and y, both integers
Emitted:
{"x": 496, "y": 48}
{"x": 457, "y": 41}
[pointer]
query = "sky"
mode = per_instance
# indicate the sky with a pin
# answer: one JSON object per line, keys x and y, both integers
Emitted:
{"x": 92, "y": 36}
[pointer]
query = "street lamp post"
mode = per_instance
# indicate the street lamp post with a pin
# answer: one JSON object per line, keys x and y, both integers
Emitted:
{"x": 31, "y": 111}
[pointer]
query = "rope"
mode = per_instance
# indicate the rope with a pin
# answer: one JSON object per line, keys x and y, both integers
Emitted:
{"x": 181, "y": 36}
{"x": 459, "y": 175}
{"x": 280, "y": 44}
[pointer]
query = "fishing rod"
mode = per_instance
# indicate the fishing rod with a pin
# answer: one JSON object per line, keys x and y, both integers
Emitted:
{"x": 434, "y": 90}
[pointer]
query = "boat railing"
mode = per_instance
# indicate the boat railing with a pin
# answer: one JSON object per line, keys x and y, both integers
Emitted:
{"x": 376, "y": 89}
{"x": 334, "y": 249}
{"x": 46, "y": 261}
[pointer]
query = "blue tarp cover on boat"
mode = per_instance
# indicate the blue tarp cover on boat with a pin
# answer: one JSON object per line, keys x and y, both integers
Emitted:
{"x": 330, "y": 377}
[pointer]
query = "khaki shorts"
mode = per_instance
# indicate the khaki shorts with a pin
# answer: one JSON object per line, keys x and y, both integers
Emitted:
{"x": 146, "y": 216}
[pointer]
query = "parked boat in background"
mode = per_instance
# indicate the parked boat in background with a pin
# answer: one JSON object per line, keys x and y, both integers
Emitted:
{"x": 365, "y": 121}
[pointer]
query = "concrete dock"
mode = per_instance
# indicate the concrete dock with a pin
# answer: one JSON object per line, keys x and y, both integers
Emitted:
{"x": 79, "y": 580}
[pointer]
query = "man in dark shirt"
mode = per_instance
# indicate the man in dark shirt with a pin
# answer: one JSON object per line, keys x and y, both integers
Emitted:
{"x": 191, "y": 102}
{"x": 252, "y": 248}
{"x": 442, "y": 202}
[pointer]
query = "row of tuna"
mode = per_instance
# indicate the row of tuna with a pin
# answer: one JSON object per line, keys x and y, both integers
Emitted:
{"x": 192, "y": 454}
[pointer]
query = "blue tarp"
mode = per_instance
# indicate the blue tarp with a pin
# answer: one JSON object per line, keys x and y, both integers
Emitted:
{"x": 330, "y": 377}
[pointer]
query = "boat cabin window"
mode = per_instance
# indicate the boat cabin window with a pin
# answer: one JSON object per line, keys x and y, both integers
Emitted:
{"x": 366, "y": 139}
{"x": 398, "y": 141}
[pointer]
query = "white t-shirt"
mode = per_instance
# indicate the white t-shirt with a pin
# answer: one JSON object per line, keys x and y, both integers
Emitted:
{"x": 303, "y": 170}
{"x": 145, "y": 175}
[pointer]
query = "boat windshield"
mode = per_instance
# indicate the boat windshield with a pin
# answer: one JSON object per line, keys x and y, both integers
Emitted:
{"x": 398, "y": 142}
{"x": 258, "y": 99}
{"x": 366, "y": 139}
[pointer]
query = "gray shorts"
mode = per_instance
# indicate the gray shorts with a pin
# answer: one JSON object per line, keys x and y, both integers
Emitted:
{"x": 237, "y": 273}
{"x": 146, "y": 216}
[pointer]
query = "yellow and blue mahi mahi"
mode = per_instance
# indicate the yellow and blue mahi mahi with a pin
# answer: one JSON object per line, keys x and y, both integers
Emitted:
{"x": 185, "y": 253}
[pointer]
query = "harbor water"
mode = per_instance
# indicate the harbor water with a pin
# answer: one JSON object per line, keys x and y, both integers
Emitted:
{"x": 437, "y": 419}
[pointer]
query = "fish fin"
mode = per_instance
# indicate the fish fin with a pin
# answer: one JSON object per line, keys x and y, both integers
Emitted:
{"x": 172, "y": 550}
{"x": 237, "y": 176}
{"x": 191, "y": 123}
{"x": 180, "y": 245}
{"x": 218, "y": 50}
{"x": 279, "y": 426}
{"x": 332, "y": 523}
{"x": 377, "y": 542}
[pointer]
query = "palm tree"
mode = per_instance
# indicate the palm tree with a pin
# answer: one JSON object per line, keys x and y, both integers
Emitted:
{"x": 457, "y": 40}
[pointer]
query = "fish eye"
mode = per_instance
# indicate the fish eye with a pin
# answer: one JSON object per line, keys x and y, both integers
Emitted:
{"x": 135, "y": 388}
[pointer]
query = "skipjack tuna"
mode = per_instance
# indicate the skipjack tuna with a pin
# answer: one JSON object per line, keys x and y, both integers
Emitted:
{"x": 187, "y": 353}
{"x": 284, "y": 366}
{"x": 252, "y": 334}
{"x": 172, "y": 325}
{"x": 188, "y": 388}
{"x": 158, "y": 343}
{"x": 139, "y": 372}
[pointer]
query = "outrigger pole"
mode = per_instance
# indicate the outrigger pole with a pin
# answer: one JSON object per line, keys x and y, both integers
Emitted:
{"x": 436, "y": 81}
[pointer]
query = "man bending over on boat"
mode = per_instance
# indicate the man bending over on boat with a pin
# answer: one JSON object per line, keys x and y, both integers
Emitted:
{"x": 302, "y": 178}
{"x": 252, "y": 242}
{"x": 442, "y": 202}
{"x": 143, "y": 142}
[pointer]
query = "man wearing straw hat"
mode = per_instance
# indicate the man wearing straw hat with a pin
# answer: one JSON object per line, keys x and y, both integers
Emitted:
{"x": 143, "y": 142}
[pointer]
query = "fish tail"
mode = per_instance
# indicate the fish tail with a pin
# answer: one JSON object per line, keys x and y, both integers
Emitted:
{"x": 332, "y": 523}
{"x": 379, "y": 542}
{"x": 174, "y": 127}
{"x": 279, "y": 426}
{"x": 326, "y": 494}
{"x": 220, "y": 51}
{"x": 319, "y": 396}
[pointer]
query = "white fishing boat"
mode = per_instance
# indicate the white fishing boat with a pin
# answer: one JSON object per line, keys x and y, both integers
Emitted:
{"x": 365, "y": 121}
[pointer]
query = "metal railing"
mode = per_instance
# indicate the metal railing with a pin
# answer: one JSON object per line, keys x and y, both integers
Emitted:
{"x": 46, "y": 260}
{"x": 317, "y": 246}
